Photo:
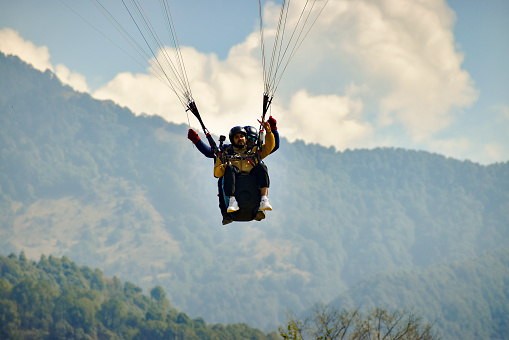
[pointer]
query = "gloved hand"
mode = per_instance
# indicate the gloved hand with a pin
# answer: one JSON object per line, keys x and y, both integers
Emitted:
{"x": 272, "y": 123}
{"x": 193, "y": 136}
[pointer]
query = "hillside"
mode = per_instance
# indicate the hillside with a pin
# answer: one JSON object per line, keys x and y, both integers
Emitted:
{"x": 56, "y": 299}
{"x": 130, "y": 194}
{"x": 467, "y": 299}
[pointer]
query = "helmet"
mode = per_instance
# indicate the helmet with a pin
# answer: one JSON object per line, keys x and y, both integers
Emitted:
{"x": 252, "y": 132}
{"x": 234, "y": 131}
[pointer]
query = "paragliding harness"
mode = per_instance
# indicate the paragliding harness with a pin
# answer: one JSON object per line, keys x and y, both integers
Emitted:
{"x": 247, "y": 190}
{"x": 226, "y": 154}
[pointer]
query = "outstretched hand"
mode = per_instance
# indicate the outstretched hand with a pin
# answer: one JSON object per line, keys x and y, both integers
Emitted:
{"x": 265, "y": 125}
{"x": 272, "y": 123}
{"x": 193, "y": 136}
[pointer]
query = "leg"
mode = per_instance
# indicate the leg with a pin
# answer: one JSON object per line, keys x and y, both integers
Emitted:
{"x": 230, "y": 174}
{"x": 222, "y": 204}
{"x": 261, "y": 172}
{"x": 229, "y": 179}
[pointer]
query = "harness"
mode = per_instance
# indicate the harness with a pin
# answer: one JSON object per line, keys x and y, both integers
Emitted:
{"x": 249, "y": 156}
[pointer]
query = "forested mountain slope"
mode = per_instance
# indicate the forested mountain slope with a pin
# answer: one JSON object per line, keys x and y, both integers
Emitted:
{"x": 467, "y": 299}
{"x": 131, "y": 195}
{"x": 56, "y": 299}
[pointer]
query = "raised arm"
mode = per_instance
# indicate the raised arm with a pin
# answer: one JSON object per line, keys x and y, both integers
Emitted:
{"x": 273, "y": 128}
{"x": 269, "y": 140}
{"x": 200, "y": 145}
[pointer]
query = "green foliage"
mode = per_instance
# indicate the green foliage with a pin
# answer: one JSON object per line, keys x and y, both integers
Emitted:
{"x": 56, "y": 299}
{"x": 9, "y": 319}
{"x": 291, "y": 333}
{"x": 112, "y": 313}
{"x": 157, "y": 293}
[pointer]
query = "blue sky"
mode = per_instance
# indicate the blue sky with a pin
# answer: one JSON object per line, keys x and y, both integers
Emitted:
{"x": 428, "y": 75}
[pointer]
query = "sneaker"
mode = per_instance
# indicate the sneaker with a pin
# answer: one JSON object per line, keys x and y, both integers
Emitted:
{"x": 227, "y": 219}
{"x": 233, "y": 205}
{"x": 260, "y": 215}
{"x": 264, "y": 204}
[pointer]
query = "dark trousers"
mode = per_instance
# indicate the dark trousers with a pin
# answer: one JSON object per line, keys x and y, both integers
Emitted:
{"x": 228, "y": 181}
{"x": 222, "y": 203}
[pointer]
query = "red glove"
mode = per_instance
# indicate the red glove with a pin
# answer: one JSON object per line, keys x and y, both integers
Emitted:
{"x": 193, "y": 136}
{"x": 272, "y": 123}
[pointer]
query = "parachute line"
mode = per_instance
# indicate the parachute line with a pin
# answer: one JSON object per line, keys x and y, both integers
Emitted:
{"x": 284, "y": 47}
{"x": 148, "y": 45}
{"x": 100, "y": 32}
{"x": 141, "y": 34}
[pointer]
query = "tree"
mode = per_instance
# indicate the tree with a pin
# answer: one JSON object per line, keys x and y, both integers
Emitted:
{"x": 5, "y": 288}
{"x": 112, "y": 313}
{"x": 330, "y": 323}
{"x": 62, "y": 330}
{"x": 130, "y": 289}
{"x": 23, "y": 258}
{"x": 9, "y": 319}
{"x": 157, "y": 293}
{"x": 82, "y": 315}
{"x": 24, "y": 294}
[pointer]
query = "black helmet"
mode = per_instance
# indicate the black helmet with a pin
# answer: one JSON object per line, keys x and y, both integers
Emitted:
{"x": 252, "y": 132}
{"x": 234, "y": 131}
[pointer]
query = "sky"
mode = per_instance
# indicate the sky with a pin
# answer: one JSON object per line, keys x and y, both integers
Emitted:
{"x": 416, "y": 74}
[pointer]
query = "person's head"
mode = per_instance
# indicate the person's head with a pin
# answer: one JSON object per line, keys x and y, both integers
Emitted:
{"x": 251, "y": 135}
{"x": 238, "y": 136}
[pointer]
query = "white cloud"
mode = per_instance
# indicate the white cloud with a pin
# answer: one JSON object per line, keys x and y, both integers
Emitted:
{"x": 402, "y": 54}
{"x": 402, "y": 51}
{"x": 452, "y": 146}
{"x": 75, "y": 80}
{"x": 227, "y": 92}
{"x": 11, "y": 43}
{"x": 370, "y": 73}
{"x": 329, "y": 120}
{"x": 492, "y": 152}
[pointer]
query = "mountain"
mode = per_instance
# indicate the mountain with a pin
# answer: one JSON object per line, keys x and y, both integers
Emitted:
{"x": 89, "y": 180}
{"x": 466, "y": 299}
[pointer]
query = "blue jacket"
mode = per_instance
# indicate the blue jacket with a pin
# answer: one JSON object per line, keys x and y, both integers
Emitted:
{"x": 207, "y": 151}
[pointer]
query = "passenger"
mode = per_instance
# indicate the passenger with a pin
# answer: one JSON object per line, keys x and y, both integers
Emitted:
{"x": 251, "y": 136}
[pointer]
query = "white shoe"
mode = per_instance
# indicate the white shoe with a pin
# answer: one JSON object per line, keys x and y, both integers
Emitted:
{"x": 264, "y": 204}
{"x": 232, "y": 205}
